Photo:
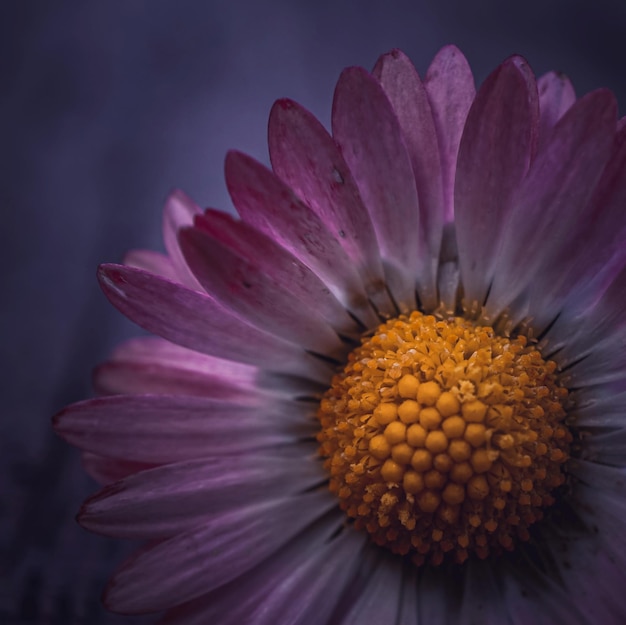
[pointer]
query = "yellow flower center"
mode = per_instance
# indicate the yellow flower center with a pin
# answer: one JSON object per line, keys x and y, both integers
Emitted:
{"x": 441, "y": 437}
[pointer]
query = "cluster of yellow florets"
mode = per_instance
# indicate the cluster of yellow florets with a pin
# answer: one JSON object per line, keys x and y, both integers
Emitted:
{"x": 440, "y": 436}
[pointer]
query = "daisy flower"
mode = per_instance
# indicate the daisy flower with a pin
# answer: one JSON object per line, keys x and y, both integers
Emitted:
{"x": 393, "y": 390}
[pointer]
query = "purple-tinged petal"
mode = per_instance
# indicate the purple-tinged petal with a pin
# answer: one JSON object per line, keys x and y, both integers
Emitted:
{"x": 194, "y": 320}
{"x": 242, "y": 286}
{"x": 479, "y": 589}
{"x": 265, "y": 202}
{"x": 410, "y": 103}
{"x": 368, "y": 132}
{"x": 152, "y": 365}
{"x": 435, "y": 590}
{"x": 125, "y": 377}
{"x": 592, "y": 574}
{"x": 180, "y": 211}
{"x": 106, "y": 470}
{"x": 313, "y": 587}
{"x": 222, "y": 549}
{"x": 556, "y": 96}
{"x": 304, "y": 592}
{"x": 167, "y": 500}
{"x": 597, "y": 407}
{"x": 595, "y": 354}
{"x": 378, "y": 598}
{"x": 154, "y": 262}
{"x": 236, "y": 602}
{"x": 531, "y": 596}
{"x": 553, "y": 195}
{"x": 450, "y": 87}
{"x": 584, "y": 263}
{"x": 494, "y": 155}
{"x": 168, "y": 428}
{"x": 409, "y": 599}
{"x": 307, "y": 158}
{"x": 607, "y": 448}
{"x": 600, "y": 478}
{"x": 280, "y": 266}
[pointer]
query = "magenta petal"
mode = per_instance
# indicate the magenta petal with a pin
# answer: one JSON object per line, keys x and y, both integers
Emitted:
{"x": 168, "y": 428}
{"x": 450, "y": 87}
{"x": 412, "y": 108}
{"x": 223, "y": 548}
{"x": 154, "y": 262}
{"x": 583, "y": 264}
{"x": 106, "y": 470}
{"x": 265, "y": 202}
{"x": 243, "y": 287}
{"x": 370, "y": 138}
{"x": 596, "y": 355}
{"x": 235, "y": 603}
{"x": 256, "y": 594}
{"x": 128, "y": 377}
{"x": 494, "y": 155}
{"x": 556, "y": 96}
{"x": 278, "y": 266}
{"x": 553, "y": 195}
{"x": 152, "y": 365}
{"x": 196, "y": 321}
{"x": 310, "y": 591}
{"x": 167, "y": 500}
{"x": 306, "y": 157}
{"x": 480, "y": 585}
{"x": 378, "y": 600}
{"x": 179, "y": 212}
{"x": 153, "y": 350}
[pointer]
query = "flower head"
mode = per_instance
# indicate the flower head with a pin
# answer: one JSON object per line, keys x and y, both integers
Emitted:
{"x": 394, "y": 390}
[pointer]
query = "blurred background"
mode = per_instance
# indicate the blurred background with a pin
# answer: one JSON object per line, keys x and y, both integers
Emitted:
{"x": 107, "y": 106}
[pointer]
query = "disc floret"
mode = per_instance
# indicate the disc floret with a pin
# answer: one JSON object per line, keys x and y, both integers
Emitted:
{"x": 442, "y": 437}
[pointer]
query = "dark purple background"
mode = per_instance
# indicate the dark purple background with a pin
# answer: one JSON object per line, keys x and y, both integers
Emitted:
{"x": 106, "y": 106}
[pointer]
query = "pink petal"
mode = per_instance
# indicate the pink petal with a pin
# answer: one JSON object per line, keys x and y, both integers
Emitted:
{"x": 306, "y": 157}
{"x": 600, "y": 406}
{"x": 450, "y": 87}
{"x": 556, "y": 96}
{"x": 370, "y": 138}
{"x": 153, "y": 350}
{"x": 535, "y": 597}
{"x": 152, "y": 365}
{"x": 409, "y": 599}
{"x": 494, "y": 155}
{"x": 279, "y": 265}
{"x": 168, "y": 428}
{"x": 378, "y": 599}
{"x": 194, "y": 320}
{"x": 553, "y": 195}
{"x": 600, "y": 478}
{"x": 410, "y": 103}
{"x": 594, "y": 592}
{"x": 223, "y": 548}
{"x": 174, "y": 498}
{"x": 584, "y": 262}
{"x": 154, "y": 262}
{"x": 480, "y": 586}
{"x": 595, "y": 354}
{"x": 243, "y": 287}
{"x": 290, "y": 589}
{"x": 106, "y": 470}
{"x": 243, "y": 599}
{"x": 310, "y": 592}
{"x": 265, "y": 202}
{"x": 179, "y": 212}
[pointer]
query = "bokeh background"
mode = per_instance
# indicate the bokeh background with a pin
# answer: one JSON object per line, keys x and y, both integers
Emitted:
{"x": 105, "y": 106}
